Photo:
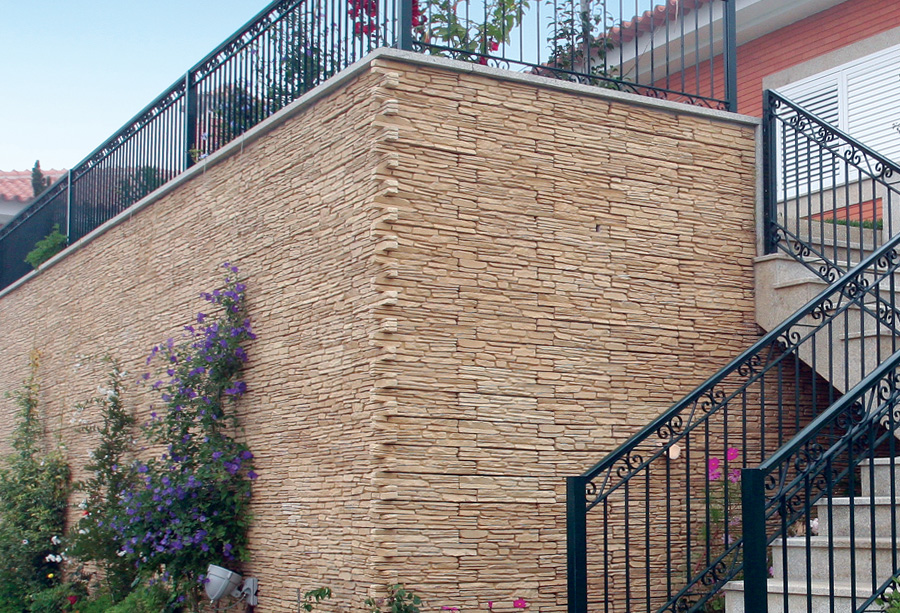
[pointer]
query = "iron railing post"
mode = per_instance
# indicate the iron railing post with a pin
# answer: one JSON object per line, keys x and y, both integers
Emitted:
{"x": 576, "y": 542}
{"x": 756, "y": 572}
{"x": 404, "y": 25}
{"x": 190, "y": 120}
{"x": 730, "y": 57}
{"x": 770, "y": 176}
{"x": 69, "y": 207}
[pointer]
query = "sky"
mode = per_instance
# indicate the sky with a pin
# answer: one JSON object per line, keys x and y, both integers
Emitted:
{"x": 72, "y": 72}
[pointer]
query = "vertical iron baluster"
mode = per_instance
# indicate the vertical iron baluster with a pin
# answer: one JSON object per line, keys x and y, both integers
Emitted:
{"x": 576, "y": 543}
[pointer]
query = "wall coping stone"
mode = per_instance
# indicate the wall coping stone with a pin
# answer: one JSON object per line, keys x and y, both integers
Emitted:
{"x": 338, "y": 81}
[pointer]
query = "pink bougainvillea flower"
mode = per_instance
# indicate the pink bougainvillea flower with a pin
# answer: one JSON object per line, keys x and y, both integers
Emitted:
{"x": 520, "y": 603}
{"x": 732, "y": 454}
{"x": 713, "y": 469}
{"x": 490, "y": 605}
{"x": 734, "y": 475}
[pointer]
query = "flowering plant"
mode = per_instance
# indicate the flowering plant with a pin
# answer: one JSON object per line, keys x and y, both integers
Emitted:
{"x": 93, "y": 539}
{"x": 723, "y": 528}
{"x": 33, "y": 494}
{"x": 189, "y": 507}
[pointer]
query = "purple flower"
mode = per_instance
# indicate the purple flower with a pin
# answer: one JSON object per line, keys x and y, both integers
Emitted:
{"x": 238, "y": 388}
{"x": 246, "y": 455}
{"x": 251, "y": 475}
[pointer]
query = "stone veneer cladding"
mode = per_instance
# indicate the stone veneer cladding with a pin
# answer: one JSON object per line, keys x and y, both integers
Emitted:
{"x": 466, "y": 287}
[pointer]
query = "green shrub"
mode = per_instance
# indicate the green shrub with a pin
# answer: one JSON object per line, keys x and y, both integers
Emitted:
{"x": 33, "y": 495}
{"x": 93, "y": 540}
{"x": 47, "y": 247}
{"x": 144, "y": 599}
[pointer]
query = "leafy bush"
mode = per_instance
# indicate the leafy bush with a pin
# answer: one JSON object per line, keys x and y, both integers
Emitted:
{"x": 144, "y": 599}
{"x": 398, "y": 600}
{"x": 190, "y": 506}
{"x": 93, "y": 539}
{"x": 33, "y": 495}
{"x": 47, "y": 247}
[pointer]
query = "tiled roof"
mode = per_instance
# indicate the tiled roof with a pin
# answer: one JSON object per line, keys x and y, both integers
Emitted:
{"x": 15, "y": 185}
{"x": 653, "y": 19}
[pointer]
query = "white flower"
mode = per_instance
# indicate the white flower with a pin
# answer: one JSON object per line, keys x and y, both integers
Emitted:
{"x": 24, "y": 541}
{"x": 55, "y": 540}
{"x": 814, "y": 527}
{"x": 82, "y": 531}
{"x": 121, "y": 553}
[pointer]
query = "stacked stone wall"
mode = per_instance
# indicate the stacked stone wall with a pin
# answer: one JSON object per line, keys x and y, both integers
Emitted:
{"x": 465, "y": 288}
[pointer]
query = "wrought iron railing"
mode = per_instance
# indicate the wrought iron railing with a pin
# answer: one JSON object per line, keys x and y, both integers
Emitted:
{"x": 290, "y": 47}
{"x": 657, "y": 526}
{"x": 829, "y": 199}
{"x": 843, "y": 554}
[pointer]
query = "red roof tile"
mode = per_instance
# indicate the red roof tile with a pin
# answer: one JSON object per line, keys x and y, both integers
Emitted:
{"x": 655, "y": 18}
{"x": 15, "y": 185}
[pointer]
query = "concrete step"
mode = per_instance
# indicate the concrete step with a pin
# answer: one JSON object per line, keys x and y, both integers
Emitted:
{"x": 881, "y": 477}
{"x": 838, "y": 561}
{"x": 843, "y": 598}
{"x": 886, "y": 514}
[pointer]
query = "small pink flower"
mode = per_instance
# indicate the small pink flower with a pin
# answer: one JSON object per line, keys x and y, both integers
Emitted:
{"x": 713, "y": 468}
{"x": 734, "y": 475}
{"x": 490, "y": 605}
{"x": 520, "y": 603}
{"x": 732, "y": 454}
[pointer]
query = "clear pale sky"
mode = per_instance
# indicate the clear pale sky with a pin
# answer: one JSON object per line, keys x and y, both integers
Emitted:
{"x": 72, "y": 72}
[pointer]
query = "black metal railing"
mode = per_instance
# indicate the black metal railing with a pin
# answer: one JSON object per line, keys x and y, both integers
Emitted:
{"x": 826, "y": 535}
{"x": 684, "y": 52}
{"x": 829, "y": 199}
{"x": 657, "y": 525}
{"x": 677, "y": 50}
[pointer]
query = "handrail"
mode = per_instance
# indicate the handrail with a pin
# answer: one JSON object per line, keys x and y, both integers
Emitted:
{"x": 823, "y": 190}
{"x": 766, "y": 340}
{"x": 827, "y": 131}
{"x": 782, "y": 490}
{"x": 291, "y": 46}
{"x": 763, "y": 376}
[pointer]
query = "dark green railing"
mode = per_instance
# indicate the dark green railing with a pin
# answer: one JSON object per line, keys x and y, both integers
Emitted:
{"x": 292, "y": 46}
{"x": 829, "y": 199}
{"x": 656, "y": 525}
{"x": 659, "y": 525}
{"x": 813, "y": 480}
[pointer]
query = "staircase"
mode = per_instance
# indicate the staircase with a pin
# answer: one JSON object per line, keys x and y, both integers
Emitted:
{"x": 832, "y": 571}
{"x": 713, "y": 505}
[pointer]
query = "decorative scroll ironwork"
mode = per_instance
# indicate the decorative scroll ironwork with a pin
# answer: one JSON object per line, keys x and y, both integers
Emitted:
{"x": 696, "y": 432}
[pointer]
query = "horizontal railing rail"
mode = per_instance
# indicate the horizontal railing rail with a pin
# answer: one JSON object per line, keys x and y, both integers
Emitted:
{"x": 829, "y": 199}
{"x": 656, "y": 525}
{"x": 683, "y": 52}
{"x": 839, "y": 520}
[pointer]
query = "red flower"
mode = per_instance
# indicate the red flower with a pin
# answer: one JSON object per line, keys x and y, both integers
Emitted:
{"x": 482, "y": 61}
{"x": 72, "y": 599}
{"x": 494, "y": 45}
